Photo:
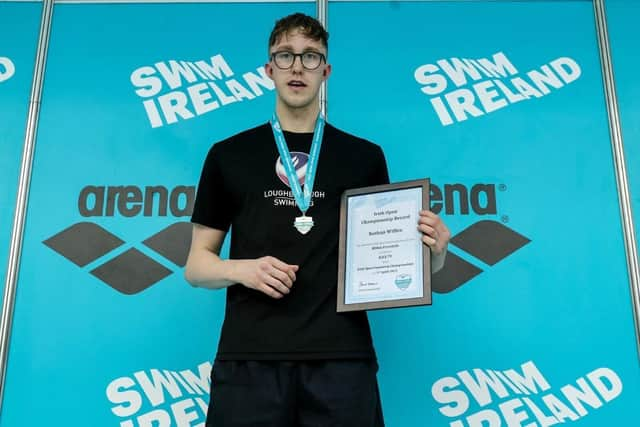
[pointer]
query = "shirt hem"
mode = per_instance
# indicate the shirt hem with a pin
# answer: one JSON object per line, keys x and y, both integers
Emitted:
{"x": 336, "y": 355}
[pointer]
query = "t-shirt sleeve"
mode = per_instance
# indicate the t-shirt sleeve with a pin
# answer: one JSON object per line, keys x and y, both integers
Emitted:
{"x": 380, "y": 174}
{"x": 211, "y": 207}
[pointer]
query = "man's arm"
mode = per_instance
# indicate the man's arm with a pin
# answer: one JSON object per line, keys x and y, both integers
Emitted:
{"x": 206, "y": 269}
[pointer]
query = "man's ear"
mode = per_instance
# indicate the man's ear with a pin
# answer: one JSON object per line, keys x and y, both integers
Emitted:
{"x": 326, "y": 72}
{"x": 269, "y": 69}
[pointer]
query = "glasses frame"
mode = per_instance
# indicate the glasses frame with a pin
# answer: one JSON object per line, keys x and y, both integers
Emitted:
{"x": 323, "y": 58}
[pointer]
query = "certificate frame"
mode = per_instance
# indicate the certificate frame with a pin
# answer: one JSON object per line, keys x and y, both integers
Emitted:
{"x": 420, "y": 195}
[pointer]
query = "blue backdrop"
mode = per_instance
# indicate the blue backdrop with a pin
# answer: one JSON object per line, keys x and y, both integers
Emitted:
{"x": 560, "y": 300}
{"x": 19, "y": 24}
{"x": 102, "y": 301}
{"x": 499, "y": 103}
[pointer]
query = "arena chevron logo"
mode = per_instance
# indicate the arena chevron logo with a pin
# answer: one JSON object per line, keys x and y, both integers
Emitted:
{"x": 488, "y": 241}
{"x": 131, "y": 271}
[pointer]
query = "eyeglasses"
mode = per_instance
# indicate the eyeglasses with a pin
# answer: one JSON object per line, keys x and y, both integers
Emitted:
{"x": 285, "y": 59}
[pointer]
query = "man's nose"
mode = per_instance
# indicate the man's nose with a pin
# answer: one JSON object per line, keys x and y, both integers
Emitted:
{"x": 297, "y": 63}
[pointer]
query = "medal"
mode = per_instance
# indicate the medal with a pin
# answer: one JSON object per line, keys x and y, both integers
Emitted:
{"x": 303, "y": 224}
{"x": 303, "y": 198}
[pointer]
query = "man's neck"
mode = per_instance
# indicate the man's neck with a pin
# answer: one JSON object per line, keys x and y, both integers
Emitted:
{"x": 299, "y": 120}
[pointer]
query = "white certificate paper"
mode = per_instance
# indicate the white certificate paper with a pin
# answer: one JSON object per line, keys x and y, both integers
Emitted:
{"x": 383, "y": 246}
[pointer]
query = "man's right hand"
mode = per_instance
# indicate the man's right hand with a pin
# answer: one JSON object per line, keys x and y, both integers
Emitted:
{"x": 205, "y": 269}
{"x": 268, "y": 275}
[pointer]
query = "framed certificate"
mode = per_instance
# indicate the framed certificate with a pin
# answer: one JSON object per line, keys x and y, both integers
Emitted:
{"x": 382, "y": 260}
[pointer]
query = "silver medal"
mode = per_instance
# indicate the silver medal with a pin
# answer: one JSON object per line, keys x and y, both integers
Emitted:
{"x": 303, "y": 224}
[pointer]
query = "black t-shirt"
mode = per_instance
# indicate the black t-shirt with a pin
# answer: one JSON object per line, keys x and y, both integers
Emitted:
{"x": 243, "y": 186}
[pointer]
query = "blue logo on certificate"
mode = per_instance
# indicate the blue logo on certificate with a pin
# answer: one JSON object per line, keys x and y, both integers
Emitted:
{"x": 403, "y": 281}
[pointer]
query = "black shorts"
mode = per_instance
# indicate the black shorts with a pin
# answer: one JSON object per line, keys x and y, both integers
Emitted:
{"x": 334, "y": 393}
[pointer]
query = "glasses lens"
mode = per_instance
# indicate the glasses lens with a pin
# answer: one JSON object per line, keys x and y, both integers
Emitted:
{"x": 284, "y": 59}
{"x": 311, "y": 60}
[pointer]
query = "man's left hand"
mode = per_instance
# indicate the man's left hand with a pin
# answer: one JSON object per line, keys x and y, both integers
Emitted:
{"x": 435, "y": 233}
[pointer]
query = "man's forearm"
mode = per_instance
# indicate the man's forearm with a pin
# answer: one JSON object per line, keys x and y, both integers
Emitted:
{"x": 437, "y": 261}
{"x": 206, "y": 270}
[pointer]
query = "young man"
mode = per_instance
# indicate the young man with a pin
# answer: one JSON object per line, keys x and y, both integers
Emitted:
{"x": 285, "y": 357}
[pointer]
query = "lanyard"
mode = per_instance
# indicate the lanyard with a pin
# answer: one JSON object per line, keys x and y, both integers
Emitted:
{"x": 303, "y": 199}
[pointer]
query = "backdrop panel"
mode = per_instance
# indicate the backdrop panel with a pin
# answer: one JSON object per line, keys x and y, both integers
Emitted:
{"x": 624, "y": 36}
{"x": 501, "y": 105}
{"x": 106, "y": 331}
{"x": 19, "y": 23}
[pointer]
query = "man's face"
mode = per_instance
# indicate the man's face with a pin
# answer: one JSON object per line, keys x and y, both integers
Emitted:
{"x": 297, "y": 86}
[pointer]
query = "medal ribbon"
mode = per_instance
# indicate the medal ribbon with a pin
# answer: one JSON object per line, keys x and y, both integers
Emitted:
{"x": 303, "y": 198}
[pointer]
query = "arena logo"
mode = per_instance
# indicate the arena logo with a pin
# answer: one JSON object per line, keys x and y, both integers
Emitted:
{"x": 161, "y": 398}
{"x": 491, "y": 84}
{"x": 130, "y": 200}
{"x": 519, "y": 397}
{"x": 482, "y": 244}
{"x": 458, "y": 198}
{"x": 7, "y": 69}
{"x": 194, "y": 88}
{"x": 127, "y": 269}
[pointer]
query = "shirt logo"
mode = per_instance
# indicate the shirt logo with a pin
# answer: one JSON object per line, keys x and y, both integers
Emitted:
{"x": 300, "y": 161}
